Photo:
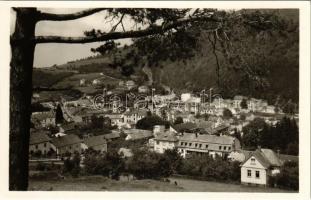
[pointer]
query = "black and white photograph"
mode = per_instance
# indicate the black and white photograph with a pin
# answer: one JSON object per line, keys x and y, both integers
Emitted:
{"x": 167, "y": 99}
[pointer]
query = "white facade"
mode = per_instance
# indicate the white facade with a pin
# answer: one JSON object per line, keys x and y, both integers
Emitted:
{"x": 160, "y": 145}
{"x": 44, "y": 147}
{"x": 253, "y": 172}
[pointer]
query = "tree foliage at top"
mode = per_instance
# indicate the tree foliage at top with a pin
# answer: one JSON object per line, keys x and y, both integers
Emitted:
{"x": 253, "y": 52}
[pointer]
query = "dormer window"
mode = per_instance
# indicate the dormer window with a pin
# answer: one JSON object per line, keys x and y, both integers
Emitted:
{"x": 253, "y": 161}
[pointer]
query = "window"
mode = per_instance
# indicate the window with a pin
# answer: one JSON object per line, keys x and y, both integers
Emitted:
{"x": 196, "y": 145}
{"x": 186, "y": 143}
{"x": 44, "y": 145}
{"x": 158, "y": 142}
{"x": 181, "y": 143}
{"x": 69, "y": 147}
{"x": 257, "y": 174}
{"x": 190, "y": 144}
{"x": 229, "y": 148}
{"x": 249, "y": 173}
{"x": 36, "y": 146}
{"x": 206, "y": 146}
{"x": 252, "y": 161}
{"x": 225, "y": 148}
{"x": 219, "y": 147}
{"x": 200, "y": 145}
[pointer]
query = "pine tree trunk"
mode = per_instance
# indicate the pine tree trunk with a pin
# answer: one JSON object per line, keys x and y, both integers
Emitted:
{"x": 22, "y": 49}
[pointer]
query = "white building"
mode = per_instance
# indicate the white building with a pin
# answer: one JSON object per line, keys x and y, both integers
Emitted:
{"x": 259, "y": 166}
{"x": 164, "y": 141}
{"x": 193, "y": 143}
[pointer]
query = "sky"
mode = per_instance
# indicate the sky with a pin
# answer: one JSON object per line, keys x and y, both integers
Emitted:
{"x": 49, "y": 54}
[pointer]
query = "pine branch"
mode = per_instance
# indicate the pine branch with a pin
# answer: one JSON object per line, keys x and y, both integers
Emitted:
{"x": 64, "y": 17}
{"x": 155, "y": 29}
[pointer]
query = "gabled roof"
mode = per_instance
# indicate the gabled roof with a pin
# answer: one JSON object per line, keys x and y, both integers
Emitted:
{"x": 166, "y": 136}
{"x": 43, "y": 115}
{"x": 68, "y": 126}
{"x": 66, "y": 140}
{"x": 95, "y": 141}
{"x": 266, "y": 157}
{"x": 136, "y": 134}
{"x": 111, "y": 135}
{"x": 137, "y": 112}
{"x": 184, "y": 126}
{"x": 223, "y": 140}
{"x": 38, "y": 137}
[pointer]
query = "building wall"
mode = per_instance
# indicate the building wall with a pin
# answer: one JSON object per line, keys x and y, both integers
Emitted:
{"x": 253, "y": 167}
{"x": 70, "y": 148}
{"x": 161, "y": 146}
{"x": 44, "y": 147}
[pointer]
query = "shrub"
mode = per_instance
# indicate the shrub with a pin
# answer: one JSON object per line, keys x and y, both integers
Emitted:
{"x": 288, "y": 178}
{"x": 72, "y": 165}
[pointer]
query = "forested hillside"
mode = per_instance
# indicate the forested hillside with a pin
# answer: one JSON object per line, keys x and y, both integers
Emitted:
{"x": 257, "y": 62}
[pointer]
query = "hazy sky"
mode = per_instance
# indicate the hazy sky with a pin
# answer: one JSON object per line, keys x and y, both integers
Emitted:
{"x": 53, "y": 53}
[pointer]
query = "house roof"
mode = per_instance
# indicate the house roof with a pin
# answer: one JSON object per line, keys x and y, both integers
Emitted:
{"x": 66, "y": 140}
{"x": 184, "y": 126}
{"x": 166, "y": 136}
{"x": 136, "y": 134}
{"x": 224, "y": 140}
{"x": 38, "y": 137}
{"x": 43, "y": 115}
{"x": 137, "y": 112}
{"x": 95, "y": 141}
{"x": 266, "y": 157}
{"x": 112, "y": 135}
{"x": 210, "y": 142}
{"x": 221, "y": 127}
{"x": 204, "y": 124}
{"x": 68, "y": 126}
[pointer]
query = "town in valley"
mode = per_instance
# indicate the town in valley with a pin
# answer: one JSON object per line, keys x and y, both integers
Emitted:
{"x": 178, "y": 134}
{"x": 154, "y": 99}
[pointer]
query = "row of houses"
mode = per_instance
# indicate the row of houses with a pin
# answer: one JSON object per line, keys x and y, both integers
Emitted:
{"x": 257, "y": 167}
{"x": 195, "y": 143}
{"x": 71, "y": 143}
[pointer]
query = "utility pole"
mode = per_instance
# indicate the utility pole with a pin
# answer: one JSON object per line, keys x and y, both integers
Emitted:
{"x": 152, "y": 93}
{"x": 210, "y": 96}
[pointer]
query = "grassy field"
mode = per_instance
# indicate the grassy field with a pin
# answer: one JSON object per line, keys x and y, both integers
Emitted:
{"x": 99, "y": 183}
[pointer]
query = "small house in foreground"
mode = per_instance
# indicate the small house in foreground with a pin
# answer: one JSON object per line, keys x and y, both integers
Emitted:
{"x": 259, "y": 166}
